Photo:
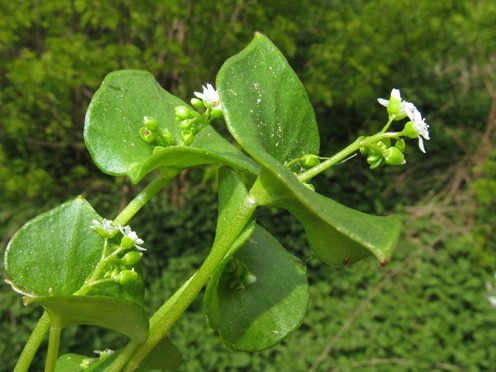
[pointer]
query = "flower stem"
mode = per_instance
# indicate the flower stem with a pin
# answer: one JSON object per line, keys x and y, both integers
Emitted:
{"x": 53, "y": 346}
{"x": 33, "y": 343}
{"x": 142, "y": 198}
{"x": 347, "y": 151}
{"x": 165, "y": 317}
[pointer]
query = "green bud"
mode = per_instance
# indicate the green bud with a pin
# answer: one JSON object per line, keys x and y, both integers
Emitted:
{"x": 394, "y": 106}
{"x": 114, "y": 273}
{"x": 384, "y": 143}
{"x": 231, "y": 267}
{"x": 394, "y": 156}
{"x": 364, "y": 150}
{"x": 400, "y": 144}
{"x": 234, "y": 284}
{"x": 410, "y": 130}
{"x": 126, "y": 276}
{"x": 130, "y": 258}
{"x": 167, "y": 137}
{"x": 378, "y": 163}
{"x": 127, "y": 242}
{"x": 197, "y": 103}
{"x": 151, "y": 123}
{"x": 310, "y": 160}
{"x": 182, "y": 112}
{"x": 216, "y": 113}
{"x": 187, "y": 137}
{"x": 186, "y": 124}
{"x": 108, "y": 274}
{"x": 373, "y": 157}
{"x": 248, "y": 278}
{"x": 147, "y": 136}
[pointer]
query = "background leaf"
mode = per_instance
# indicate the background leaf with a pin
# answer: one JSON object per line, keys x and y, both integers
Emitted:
{"x": 115, "y": 116}
{"x": 263, "y": 313}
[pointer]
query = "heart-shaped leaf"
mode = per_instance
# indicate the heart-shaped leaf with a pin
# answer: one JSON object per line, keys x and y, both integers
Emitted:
{"x": 259, "y": 315}
{"x": 115, "y": 116}
{"x": 54, "y": 253}
{"x": 119, "y": 315}
{"x": 268, "y": 113}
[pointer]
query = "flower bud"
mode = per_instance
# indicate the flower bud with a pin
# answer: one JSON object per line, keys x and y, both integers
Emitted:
{"x": 410, "y": 130}
{"x": 310, "y": 160}
{"x": 231, "y": 266}
{"x": 151, "y": 123}
{"x": 197, "y": 103}
{"x": 248, "y": 278}
{"x": 130, "y": 258}
{"x": 127, "y": 242}
{"x": 167, "y": 137}
{"x": 187, "y": 137}
{"x": 394, "y": 105}
{"x": 182, "y": 112}
{"x": 147, "y": 136}
{"x": 186, "y": 124}
{"x": 394, "y": 156}
{"x": 400, "y": 144}
{"x": 384, "y": 143}
{"x": 126, "y": 276}
{"x": 216, "y": 113}
{"x": 157, "y": 149}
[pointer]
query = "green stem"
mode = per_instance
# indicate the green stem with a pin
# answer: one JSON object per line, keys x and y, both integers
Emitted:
{"x": 305, "y": 176}
{"x": 172, "y": 309}
{"x": 53, "y": 346}
{"x": 33, "y": 343}
{"x": 142, "y": 198}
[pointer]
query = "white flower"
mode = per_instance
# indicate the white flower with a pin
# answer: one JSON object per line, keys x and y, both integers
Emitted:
{"x": 492, "y": 300}
{"x": 407, "y": 108}
{"x": 104, "y": 229}
{"x": 127, "y": 232}
{"x": 421, "y": 127}
{"x": 210, "y": 96}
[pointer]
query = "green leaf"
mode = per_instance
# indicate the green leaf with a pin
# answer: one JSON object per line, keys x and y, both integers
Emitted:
{"x": 164, "y": 355}
{"x": 266, "y": 107}
{"x": 119, "y": 315}
{"x": 265, "y": 312}
{"x": 54, "y": 253}
{"x": 268, "y": 113}
{"x": 338, "y": 235}
{"x": 70, "y": 363}
{"x": 115, "y": 116}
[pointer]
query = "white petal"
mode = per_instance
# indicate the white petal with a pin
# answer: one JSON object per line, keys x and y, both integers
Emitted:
{"x": 396, "y": 93}
{"x": 421, "y": 144}
{"x": 384, "y": 102}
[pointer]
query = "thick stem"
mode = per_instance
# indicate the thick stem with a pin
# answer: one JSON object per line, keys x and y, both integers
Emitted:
{"x": 33, "y": 343}
{"x": 53, "y": 346}
{"x": 167, "y": 314}
{"x": 142, "y": 198}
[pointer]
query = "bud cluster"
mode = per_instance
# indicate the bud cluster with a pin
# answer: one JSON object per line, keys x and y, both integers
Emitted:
{"x": 118, "y": 269}
{"x": 152, "y": 134}
{"x": 239, "y": 275}
{"x": 382, "y": 153}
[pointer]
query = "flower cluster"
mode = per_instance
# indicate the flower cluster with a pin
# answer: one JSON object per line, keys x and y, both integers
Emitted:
{"x": 399, "y": 109}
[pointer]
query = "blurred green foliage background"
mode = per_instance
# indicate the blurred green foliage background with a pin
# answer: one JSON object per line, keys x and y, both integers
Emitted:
{"x": 426, "y": 311}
